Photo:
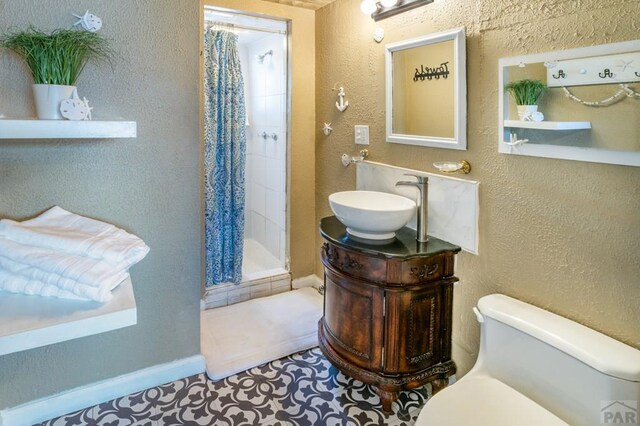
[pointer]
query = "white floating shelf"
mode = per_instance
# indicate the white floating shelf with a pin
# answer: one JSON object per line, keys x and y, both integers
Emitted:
{"x": 548, "y": 125}
{"x": 65, "y": 129}
{"x": 28, "y": 322}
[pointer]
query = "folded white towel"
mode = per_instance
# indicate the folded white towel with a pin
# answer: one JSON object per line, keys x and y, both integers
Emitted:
{"x": 85, "y": 270}
{"x": 17, "y": 284}
{"x": 16, "y": 276}
{"x": 71, "y": 233}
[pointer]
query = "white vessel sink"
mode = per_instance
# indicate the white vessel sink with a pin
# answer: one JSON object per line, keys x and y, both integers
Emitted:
{"x": 372, "y": 215}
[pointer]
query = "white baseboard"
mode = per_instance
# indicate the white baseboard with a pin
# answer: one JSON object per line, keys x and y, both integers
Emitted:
{"x": 308, "y": 281}
{"x": 95, "y": 393}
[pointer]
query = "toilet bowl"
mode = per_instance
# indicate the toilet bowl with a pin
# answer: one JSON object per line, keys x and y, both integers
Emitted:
{"x": 537, "y": 368}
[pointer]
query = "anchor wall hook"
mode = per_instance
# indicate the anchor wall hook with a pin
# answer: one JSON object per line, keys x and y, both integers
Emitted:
{"x": 606, "y": 73}
{"x": 560, "y": 74}
{"x": 341, "y": 103}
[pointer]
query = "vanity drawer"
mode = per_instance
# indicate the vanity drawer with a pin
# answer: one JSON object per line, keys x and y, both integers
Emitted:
{"x": 355, "y": 264}
{"x": 422, "y": 270}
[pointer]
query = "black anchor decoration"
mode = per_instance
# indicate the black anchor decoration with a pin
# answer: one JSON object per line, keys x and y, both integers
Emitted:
{"x": 561, "y": 74}
{"x": 606, "y": 73}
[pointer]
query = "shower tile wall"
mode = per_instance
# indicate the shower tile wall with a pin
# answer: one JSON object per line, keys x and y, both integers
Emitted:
{"x": 266, "y": 158}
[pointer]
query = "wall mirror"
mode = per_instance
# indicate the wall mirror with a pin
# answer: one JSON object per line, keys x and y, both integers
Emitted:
{"x": 426, "y": 91}
{"x": 589, "y": 112}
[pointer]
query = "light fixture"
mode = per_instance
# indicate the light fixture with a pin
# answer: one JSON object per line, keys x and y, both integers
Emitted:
{"x": 368, "y": 7}
{"x": 388, "y": 3}
{"x": 387, "y": 8}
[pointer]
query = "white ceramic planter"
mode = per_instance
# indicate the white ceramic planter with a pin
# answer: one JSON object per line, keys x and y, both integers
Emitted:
{"x": 47, "y": 98}
{"x": 525, "y": 112}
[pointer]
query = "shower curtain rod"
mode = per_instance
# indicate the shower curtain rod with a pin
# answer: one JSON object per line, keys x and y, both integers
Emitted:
{"x": 210, "y": 23}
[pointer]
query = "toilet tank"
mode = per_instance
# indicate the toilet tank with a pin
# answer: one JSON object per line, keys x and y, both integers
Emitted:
{"x": 579, "y": 374}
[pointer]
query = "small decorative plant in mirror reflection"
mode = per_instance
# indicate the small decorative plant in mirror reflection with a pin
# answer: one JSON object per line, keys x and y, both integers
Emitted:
{"x": 527, "y": 93}
{"x": 55, "y": 61}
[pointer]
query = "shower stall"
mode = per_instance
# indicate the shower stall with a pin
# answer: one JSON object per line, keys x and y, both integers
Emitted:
{"x": 262, "y": 46}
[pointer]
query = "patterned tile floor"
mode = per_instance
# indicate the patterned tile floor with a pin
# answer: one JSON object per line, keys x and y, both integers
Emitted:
{"x": 301, "y": 389}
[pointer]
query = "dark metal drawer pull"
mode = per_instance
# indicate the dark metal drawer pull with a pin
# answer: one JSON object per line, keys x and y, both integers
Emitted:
{"x": 424, "y": 270}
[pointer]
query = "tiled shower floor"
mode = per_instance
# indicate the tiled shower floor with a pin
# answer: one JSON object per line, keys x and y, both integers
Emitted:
{"x": 301, "y": 389}
{"x": 257, "y": 261}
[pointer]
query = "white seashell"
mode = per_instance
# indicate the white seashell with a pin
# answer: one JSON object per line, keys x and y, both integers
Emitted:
{"x": 378, "y": 34}
{"x": 537, "y": 116}
{"x": 75, "y": 108}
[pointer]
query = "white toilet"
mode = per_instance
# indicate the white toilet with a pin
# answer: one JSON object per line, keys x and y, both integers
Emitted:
{"x": 538, "y": 368}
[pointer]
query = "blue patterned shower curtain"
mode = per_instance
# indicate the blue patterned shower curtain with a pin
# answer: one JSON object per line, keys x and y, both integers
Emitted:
{"x": 224, "y": 158}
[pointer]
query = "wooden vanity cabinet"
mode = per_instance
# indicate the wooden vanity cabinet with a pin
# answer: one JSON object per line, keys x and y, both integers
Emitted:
{"x": 387, "y": 310}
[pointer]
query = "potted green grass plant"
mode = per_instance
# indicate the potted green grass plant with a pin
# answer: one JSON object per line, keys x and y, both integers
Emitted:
{"x": 55, "y": 61}
{"x": 526, "y": 94}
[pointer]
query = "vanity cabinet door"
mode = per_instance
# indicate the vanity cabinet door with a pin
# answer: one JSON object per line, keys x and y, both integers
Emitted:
{"x": 353, "y": 319}
{"x": 413, "y": 329}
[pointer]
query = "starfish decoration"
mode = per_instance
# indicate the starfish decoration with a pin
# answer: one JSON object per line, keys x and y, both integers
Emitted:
{"x": 88, "y": 21}
{"x": 625, "y": 64}
{"x": 88, "y": 116}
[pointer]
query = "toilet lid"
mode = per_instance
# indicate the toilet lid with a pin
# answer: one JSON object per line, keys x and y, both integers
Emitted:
{"x": 484, "y": 401}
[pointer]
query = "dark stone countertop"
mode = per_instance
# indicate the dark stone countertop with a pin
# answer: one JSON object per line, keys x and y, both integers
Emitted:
{"x": 403, "y": 246}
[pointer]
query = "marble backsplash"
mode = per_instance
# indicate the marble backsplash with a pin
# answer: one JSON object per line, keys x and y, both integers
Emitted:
{"x": 453, "y": 202}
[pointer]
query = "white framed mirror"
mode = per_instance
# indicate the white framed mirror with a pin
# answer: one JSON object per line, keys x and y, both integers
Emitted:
{"x": 426, "y": 90}
{"x": 589, "y": 111}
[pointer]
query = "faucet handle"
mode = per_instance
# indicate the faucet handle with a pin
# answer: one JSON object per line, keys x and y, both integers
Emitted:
{"x": 421, "y": 179}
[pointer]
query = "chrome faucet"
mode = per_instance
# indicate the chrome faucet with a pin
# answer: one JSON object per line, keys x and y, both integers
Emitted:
{"x": 422, "y": 185}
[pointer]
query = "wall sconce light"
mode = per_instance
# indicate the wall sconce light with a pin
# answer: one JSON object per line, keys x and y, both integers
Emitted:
{"x": 380, "y": 9}
{"x": 370, "y": 6}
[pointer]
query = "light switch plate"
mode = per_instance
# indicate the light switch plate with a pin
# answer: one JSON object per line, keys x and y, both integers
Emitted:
{"x": 362, "y": 134}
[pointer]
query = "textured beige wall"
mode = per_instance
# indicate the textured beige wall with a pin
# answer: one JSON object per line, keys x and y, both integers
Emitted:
{"x": 564, "y": 235}
{"x": 147, "y": 185}
{"x": 301, "y": 184}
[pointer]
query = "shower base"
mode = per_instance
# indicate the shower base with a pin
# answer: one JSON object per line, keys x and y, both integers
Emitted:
{"x": 262, "y": 275}
{"x": 258, "y": 262}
